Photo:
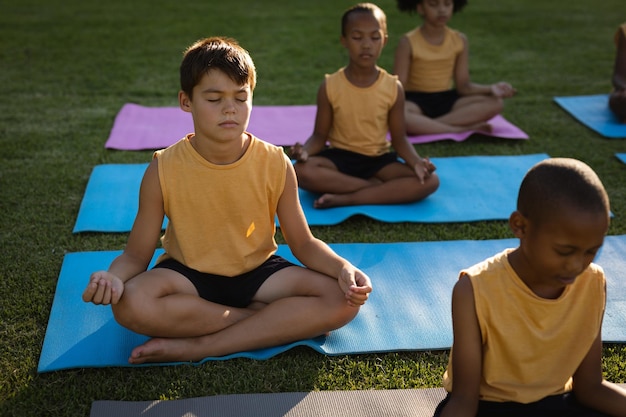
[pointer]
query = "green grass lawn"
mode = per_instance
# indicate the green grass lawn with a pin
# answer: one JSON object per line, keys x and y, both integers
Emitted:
{"x": 66, "y": 69}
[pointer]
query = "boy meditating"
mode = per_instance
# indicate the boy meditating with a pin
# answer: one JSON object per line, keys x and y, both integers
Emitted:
{"x": 219, "y": 288}
{"x": 527, "y": 321}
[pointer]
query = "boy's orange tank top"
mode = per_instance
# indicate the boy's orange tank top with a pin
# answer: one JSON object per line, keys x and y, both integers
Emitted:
{"x": 221, "y": 217}
{"x": 531, "y": 345}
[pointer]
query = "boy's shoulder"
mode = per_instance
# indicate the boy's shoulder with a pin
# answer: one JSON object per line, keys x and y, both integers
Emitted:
{"x": 597, "y": 271}
{"x": 495, "y": 263}
{"x": 173, "y": 148}
{"x": 263, "y": 145}
{"x": 262, "y": 150}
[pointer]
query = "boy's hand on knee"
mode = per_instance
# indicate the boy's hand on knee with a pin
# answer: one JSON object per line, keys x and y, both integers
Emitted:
{"x": 103, "y": 288}
{"x": 356, "y": 286}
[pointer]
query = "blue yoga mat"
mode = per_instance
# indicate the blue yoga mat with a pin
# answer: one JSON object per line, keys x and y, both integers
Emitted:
{"x": 472, "y": 188}
{"x": 111, "y": 199}
{"x": 593, "y": 112}
{"x": 408, "y": 310}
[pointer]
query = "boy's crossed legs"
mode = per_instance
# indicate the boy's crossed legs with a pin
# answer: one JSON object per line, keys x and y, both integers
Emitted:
{"x": 292, "y": 304}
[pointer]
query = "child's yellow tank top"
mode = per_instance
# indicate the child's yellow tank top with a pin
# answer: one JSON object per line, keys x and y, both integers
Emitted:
{"x": 221, "y": 217}
{"x": 432, "y": 66}
{"x": 531, "y": 346}
{"x": 360, "y": 115}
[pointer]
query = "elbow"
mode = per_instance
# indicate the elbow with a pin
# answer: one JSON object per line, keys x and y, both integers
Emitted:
{"x": 588, "y": 393}
{"x": 464, "y": 89}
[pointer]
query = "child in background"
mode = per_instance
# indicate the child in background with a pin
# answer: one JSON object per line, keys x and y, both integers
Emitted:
{"x": 527, "y": 321}
{"x": 356, "y": 107}
{"x": 432, "y": 63}
{"x": 617, "y": 99}
{"x": 219, "y": 288}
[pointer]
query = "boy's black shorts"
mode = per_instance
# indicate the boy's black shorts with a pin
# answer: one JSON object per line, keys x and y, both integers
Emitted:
{"x": 236, "y": 291}
{"x": 564, "y": 405}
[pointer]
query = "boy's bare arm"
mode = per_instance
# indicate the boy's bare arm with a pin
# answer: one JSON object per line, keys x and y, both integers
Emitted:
{"x": 592, "y": 390}
{"x": 106, "y": 287}
{"x": 467, "y": 352}
{"x": 312, "y": 252}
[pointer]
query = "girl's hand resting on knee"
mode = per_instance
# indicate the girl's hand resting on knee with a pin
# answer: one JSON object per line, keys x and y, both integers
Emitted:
{"x": 298, "y": 153}
{"x": 423, "y": 168}
{"x": 356, "y": 285}
{"x": 502, "y": 90}
{"x": 103, "y": 288}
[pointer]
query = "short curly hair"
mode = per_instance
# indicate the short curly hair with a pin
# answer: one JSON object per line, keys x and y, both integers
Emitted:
{"x": 376, "y": 11}
{"x": 410, "y": 6}
{"x": 557, "y": 182}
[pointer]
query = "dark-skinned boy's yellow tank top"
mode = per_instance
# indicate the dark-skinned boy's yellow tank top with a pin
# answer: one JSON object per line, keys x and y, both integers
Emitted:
{"x": 531, "y": 345}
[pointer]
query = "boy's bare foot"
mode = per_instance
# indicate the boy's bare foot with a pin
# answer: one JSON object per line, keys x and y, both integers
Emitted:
{"x": 167, "y": 350}
{"x": 160, "y": 349}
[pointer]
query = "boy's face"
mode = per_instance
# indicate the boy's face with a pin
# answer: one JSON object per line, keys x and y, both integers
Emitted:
{"x": 555, "y": 251}
{"x": 364, "y": 38}
{"x": 220, "y": 107}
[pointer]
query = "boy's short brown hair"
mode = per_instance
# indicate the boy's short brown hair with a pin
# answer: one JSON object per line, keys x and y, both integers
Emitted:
{"x": 220, "y": 53}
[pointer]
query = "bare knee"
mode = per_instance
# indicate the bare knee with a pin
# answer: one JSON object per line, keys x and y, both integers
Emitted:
{"x": 336, "y": 310}
{"x": 343, "y": 315}
{"x": 131, "y": 311}
{"x": 617, "y": 104}
{"x": 432, "y": 184}
{"x": 304, "y": 174}
{"x": 428, "y": 187}
{"x": 497, "y": 105}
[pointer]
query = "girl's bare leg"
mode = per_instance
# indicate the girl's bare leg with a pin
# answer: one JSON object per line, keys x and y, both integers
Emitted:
{"x": 468, "y": 113}
{"x": 320, "y": 175}
{"x": 398, "y": 185}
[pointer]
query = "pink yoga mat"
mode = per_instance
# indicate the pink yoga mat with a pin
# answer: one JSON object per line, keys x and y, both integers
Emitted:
{"x": 138, "y": 127}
